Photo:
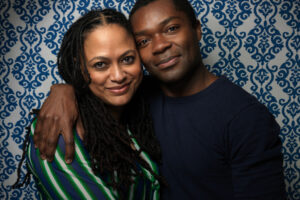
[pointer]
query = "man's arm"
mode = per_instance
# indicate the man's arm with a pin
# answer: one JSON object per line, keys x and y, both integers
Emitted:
{"x": 256, "y": 159}
{"x": 57, "y": 115}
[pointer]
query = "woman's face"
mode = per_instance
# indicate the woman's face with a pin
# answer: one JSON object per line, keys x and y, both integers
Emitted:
{"x": 113, "y": 63}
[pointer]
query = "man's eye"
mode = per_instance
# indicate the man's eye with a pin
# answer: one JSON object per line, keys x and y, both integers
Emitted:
{"x": 142, "y": 43}
{"x": 172, "y": 28}
{"x": 128, "y": 60}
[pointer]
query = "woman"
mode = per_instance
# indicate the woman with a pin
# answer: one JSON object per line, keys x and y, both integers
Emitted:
{"x": 99, "y": 58}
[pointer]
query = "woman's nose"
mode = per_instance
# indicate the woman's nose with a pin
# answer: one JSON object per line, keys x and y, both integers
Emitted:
{"x": 117, "y": 74}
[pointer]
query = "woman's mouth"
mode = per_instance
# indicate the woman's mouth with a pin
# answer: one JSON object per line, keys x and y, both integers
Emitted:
{"x": 119, "y": 90}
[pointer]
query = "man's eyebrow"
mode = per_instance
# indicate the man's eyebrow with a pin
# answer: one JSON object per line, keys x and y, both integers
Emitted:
{"x": 162, "y": 23}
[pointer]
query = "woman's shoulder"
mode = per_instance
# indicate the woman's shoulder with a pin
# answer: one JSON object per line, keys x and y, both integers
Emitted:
{"x": 75, "y": 180}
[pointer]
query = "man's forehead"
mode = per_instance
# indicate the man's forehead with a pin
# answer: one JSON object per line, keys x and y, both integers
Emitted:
{"x": 143, "y": 30}
{"x": 155, "y": 13}
{"x": 157, "y": 6}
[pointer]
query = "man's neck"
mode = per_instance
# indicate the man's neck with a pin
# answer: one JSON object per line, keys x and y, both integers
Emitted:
{"x": 193, "y": 84}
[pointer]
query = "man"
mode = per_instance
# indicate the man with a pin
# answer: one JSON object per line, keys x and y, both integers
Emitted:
{"x": 218, "y": 142}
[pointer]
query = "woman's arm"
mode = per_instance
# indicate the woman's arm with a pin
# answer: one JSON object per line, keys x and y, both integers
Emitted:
{"x": 58, "y": 115}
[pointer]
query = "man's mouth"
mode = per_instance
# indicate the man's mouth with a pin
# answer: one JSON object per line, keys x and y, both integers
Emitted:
{"x": 168, "y": 62}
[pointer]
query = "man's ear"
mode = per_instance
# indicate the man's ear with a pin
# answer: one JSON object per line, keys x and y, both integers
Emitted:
{"x": 198, "y": 30}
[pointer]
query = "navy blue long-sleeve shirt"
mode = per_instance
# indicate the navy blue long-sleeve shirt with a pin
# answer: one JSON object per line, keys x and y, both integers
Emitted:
{"x": 220, "y": 143}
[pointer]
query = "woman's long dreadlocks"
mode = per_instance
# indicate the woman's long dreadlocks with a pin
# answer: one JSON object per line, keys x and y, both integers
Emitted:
{"x": 107, "y": 140}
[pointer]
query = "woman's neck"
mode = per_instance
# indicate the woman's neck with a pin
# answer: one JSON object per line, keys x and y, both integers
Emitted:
{"x": 115, "y": 112}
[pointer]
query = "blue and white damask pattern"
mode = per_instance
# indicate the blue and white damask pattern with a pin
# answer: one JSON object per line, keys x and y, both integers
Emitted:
{"x": 255, "y": 43}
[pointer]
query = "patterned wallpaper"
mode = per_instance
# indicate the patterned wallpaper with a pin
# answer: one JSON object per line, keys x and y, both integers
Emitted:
{"x": 255, "y": 43}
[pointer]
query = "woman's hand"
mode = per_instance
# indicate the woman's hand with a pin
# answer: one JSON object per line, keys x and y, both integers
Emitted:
{"x": 58, "y": 115}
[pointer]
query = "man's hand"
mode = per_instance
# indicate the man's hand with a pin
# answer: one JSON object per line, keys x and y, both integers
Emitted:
{"x": 57, "y": 116}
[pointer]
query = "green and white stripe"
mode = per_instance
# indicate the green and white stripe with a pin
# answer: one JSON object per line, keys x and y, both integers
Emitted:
{"x": 155, "y": 184}
{"x": 82, "y": 188}
{"x": 76, "y": 182}
{"x": 31, "y": 167}
{"x": 109, "y": 194}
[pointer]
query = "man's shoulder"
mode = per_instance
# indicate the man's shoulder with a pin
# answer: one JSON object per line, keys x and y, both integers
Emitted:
{"x": 233, "y": 92}
{"x": 232, "y": 98}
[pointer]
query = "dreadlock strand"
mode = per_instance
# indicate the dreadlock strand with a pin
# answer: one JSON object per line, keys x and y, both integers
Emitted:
{"x": 24, "y": 150}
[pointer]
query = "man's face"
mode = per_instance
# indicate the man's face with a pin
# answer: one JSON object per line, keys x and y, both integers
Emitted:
{"x": 167, "y": 43}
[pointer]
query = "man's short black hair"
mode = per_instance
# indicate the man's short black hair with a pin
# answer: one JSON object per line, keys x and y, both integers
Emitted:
{"x": 180, "y": 5}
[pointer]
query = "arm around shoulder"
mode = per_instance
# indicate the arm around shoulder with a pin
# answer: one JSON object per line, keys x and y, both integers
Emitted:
{"x": 57, "y": 115}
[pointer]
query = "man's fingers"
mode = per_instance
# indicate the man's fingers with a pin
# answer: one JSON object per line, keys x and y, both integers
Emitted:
{"x": 38, "y": 136}
{"x": 51, "y": 139}
{"x": 58, "y": 110}
{"x": 40, "y": 128}
{"x": 42, "y": 147}
{"x": 51, "y": 148}
{"x": 37, "y": 133}
{"x": 70, "y": 145}
{"x": 48, "y": 137}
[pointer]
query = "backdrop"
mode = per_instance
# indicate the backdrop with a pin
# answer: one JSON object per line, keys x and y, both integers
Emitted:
{"x": 255, "y": 43}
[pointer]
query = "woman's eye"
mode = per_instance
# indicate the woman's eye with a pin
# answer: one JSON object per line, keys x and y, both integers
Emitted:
{"x": 128, "y": 59}
{"x": 99, "y": 65}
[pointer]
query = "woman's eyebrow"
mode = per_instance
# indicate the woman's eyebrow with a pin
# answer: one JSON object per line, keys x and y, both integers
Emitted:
{"x": 127, "y": 52}
{"x": 105, "y": 58}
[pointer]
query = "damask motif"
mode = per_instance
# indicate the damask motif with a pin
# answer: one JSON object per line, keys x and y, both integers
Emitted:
{"x": 30, "y": 68}
{"x": 287, "y": 78}
{"x": 255, "y": 43}
{"x": 230, "y": 40}
{"x": 264, "y": 42}
{"x": 208, "y": 42}
{"x": 63, "y": 17}
{"x": 8, "y": 101}
{"x": 7, "y": 31}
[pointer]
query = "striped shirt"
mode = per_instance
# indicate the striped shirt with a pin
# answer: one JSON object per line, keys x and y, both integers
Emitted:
{"x": 58, "y": 180}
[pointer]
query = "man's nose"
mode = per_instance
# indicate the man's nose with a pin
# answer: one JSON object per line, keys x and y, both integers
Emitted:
{"x": 160, "y": 44}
